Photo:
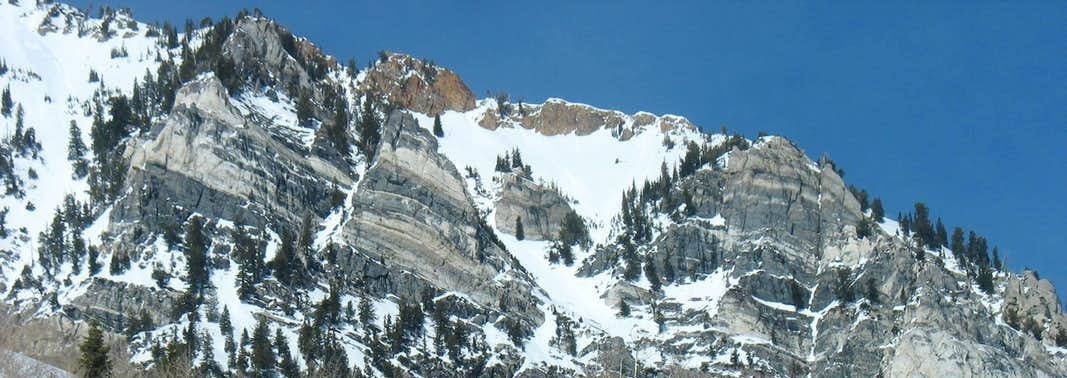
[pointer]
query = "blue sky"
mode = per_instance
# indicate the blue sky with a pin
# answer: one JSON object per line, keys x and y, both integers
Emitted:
{"x": 960, "y": 105}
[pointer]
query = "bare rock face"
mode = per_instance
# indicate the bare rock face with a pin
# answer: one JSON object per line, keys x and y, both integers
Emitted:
{"x": 113, "y": 301}
{"x": 209, "y": 159}
{"x": 412, "y": 211}
{"x": 541, "y": 209}
{"x": 772, "y": 188}
{"x": 558, "y": 117}
{"x": 417, "y": 85}
{"x": 264, "y": 49}
{"x": 1031, "y": 301}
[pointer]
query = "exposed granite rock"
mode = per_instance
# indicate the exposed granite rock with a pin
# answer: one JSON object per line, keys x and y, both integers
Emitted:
{"x": 207, "y": 158}
{"x": 542, "y": 209}
{"x": 412, "y": 211}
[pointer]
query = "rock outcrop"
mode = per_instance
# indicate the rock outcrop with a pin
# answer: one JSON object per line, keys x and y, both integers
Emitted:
{"x": 540, "y": 209}
{"x": 417, "y": 85}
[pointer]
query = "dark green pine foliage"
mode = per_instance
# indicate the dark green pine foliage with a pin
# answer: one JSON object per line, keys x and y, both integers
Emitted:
{"x": 262, "y": 351}
{"x": 519, "y": 233}
{"x": 288, "y": 268}
{"x": 250, "y": 269}
{"x": 369, "y": 129}
{"x": 956, "y": 244}
{"x": 877, "y": 212}
{"x": 76, "y": 150}
{"x": 437, "y": 129}
{"x": 196, "y": 256}
{"x": 366, "y": 312}
{"x": 941, "y": 234}
{"x": 304, "y": 114}
{"x": 652, "y": 275}
{"x": 624, "y": 308}
{"x": 328, "y": 312}
{"x": 924, "y": 230}
{"x": 985, "y": 279}
{"x": 94, "y": 361}
{"x": 797, "y": 293}
{"x": 864, "y": 228}
{"x": 6, "y": 103}
{"x": 287, "y": 366}
{"x": 997, "y": 263}
{"x": 338, "y": 131}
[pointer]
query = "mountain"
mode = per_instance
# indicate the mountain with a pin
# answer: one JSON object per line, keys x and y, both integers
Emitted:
{"x": 231, "y": 201}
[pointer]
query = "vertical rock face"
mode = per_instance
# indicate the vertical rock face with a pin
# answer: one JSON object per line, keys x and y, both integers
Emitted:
{"x": 417, "y": 85}
{"x": 541, "y": 209}
{"x": 412, "y": 211}
{"x": 773, "y": 189}
{"x": 207, "y": 158}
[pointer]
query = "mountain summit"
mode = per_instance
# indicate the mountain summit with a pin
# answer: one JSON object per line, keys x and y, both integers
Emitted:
{"x": 231, "y": 201}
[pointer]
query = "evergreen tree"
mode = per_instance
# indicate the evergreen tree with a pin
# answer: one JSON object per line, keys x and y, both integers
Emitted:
{"x": 6, "y": 104}
{"x": 338, "y": 132}
{"x": 651, "y": 274}
{"x": 798, "y": 295}
{"x": 366, "y": 312}
{"x": 287, "y": 366}
{"x": 224, "y": 322}
{"x": 369, "y": 129}
{"x": 304, "y": 114}
{"x": 924, "y": 230}
{"x": 250, "y": 269}
{"x": 864, "y": 228}
{"x": 262, "y": 351}
{"x": 877, "y": 212}
{"x": 328, "y": 311}
{"x": 76, "y": 152}
{"x": 519, "y": 234}
{"x": 196, "y": 256}
{"x": 437, "y": 130}
{"x": 942, "y": 234}
{"x": 997, "y": 263}
{"x": 985, "y": 279}
{"x": 957, "y": 246}
{"x": 624, "y": 308}
{"x": 94, "y": 260}
{"x": 288, "y": 268}
{"x": 94, "y": 361}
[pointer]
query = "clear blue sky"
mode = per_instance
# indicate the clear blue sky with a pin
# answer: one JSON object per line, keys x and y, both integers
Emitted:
{"x": 960, "y": 105}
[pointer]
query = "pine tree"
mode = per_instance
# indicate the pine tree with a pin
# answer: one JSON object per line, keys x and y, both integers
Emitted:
{"x": 287, "y": 366}
{"x": 366, "y": 312}
{"x": 338, "y": 132}
{"x": 519, "y": 234}
{"x": 224, "y": 322}
{"x": 262, "y": 351}
{"x": 923, "y": 228}
{"x": 877, "y": 212}
{"x": 288, "y": 268}
{"x": 196, "y": 256}
{"x": 624, "y": 308}
{"x": 94, "y": 260}
{"x": 985, "y": 279}
{"x": 304, "y": 114}
{"x": 437, "y": 130}
{"x": 997, "y": 263}
{"x": 369, "y": 129}
{"x": 958, "y": 249}
{"x": 94, "y": 360}
{"x": 76, "y": 152}
{"x": 942, "y": 235}
{"x": 651, "y": 274}
{"x": 6, "y": 104}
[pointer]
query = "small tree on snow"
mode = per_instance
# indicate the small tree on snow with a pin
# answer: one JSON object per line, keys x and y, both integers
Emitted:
{"x": 437, "y": 130}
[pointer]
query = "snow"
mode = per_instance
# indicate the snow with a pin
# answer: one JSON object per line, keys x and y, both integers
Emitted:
{"x": 593, "y": 169}
{"x": 49, "y": 77}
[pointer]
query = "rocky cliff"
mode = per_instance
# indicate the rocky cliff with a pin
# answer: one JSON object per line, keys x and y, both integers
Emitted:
{"x": 317, "y": 204}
